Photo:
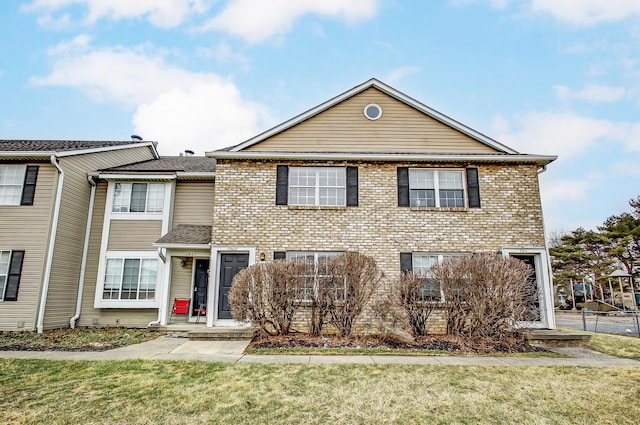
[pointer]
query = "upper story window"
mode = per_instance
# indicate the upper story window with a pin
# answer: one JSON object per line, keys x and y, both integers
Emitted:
{"x": 17, "y": 184}
{"x": 138, "y": 197}
{"x": 438, "y": 188}
{"x": 325, "y": 186}
{"x": 317, "y": 186}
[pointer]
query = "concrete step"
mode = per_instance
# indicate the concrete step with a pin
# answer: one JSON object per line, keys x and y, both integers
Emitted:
{"x": 555, "y": 338}
{"x": 221, "y": 333}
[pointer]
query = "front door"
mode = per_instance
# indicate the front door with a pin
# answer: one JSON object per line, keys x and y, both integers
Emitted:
{"x": 200, "y": 287}
{"x": 230, "y": 265}
{"x": 533, "y": 314}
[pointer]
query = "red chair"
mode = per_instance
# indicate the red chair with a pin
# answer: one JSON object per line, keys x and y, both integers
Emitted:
{"x": 180, "y": 306}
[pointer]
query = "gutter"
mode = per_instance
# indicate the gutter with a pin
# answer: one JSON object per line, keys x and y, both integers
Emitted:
{"x": 85, "y": 253}
{"x": 52, "y": 242}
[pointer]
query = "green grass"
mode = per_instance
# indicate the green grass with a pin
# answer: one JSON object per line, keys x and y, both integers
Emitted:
{"x": 626, "y": 347}
{"x": 154, "y": 392}
{"x": 91, "y": 339}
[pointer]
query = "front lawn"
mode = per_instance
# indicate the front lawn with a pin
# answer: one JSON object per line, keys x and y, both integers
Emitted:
{"x": 159, "y": 392}
{"x": 79, "y": 339}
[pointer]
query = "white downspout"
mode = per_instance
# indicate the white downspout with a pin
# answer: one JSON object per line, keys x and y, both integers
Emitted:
{"x": 161, "y": 310}
{"x": 52, "y": 243}
{"x": 85, "y": 253}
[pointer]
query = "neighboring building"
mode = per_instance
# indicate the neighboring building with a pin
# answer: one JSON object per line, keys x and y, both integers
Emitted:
{"x": 44, "y": 203}
{"x": 150, "y": 241}
{"x": 374, "y": 171}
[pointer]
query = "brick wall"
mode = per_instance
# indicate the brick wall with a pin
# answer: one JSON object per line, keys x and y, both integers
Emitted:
{"x": 245, "y": 214}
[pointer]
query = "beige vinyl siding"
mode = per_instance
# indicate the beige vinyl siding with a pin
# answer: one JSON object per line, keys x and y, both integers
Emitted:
{"x": 181, "y": 279}
{"x": 134, "y": 235}
{"x": 65, "y": 272}
{"x": 193, "y": 203}
{"x": 125, "y": 317}
{"x": 27, "y": 228}
{"x": 344, "y": 128}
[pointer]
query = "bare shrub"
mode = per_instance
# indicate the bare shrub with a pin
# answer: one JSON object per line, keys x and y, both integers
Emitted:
{"x": 409, "y": 295}
{"x": 359, "y": 276}
{"x": 267, "y": 295}
{"x": 485, "y": 294}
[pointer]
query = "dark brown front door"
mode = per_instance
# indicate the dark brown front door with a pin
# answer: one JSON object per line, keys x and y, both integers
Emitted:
{"x": 533, "y": 315}
{"x": 230, "y": 265}
{"x": 200, "y": 287}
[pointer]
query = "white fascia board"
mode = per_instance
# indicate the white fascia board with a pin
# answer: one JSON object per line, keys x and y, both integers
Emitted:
{"x": 112, "y": 148}
{"x": 182, "y": 246}
{"x": 389, "y": 91}
{"x": 135, "y": 176}
{"x": 26, "y": 154}
{"x": 331, "y": 156}
{"x": 194, "y": 174}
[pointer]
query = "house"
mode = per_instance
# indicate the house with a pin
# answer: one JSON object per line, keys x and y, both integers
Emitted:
{"x": 374, "y": 171}
{"x": 149, "y": 242}
{"x": 44, "y": 203}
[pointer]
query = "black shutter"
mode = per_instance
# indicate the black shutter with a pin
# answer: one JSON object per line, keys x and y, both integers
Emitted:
{"x": 406, "y": 262}
{"x": 29, "y": 187}
{"x": 403, "y": 186}
{"x": 280, "y": 255}
{"x": 13, "y": 278}
{"x": 282, "y": 185}
{"x": 473, "y": 187}
{"x": 352, "y": 186}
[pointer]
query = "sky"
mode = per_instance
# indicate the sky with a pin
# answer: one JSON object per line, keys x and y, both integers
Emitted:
{"x": 553, "y": 77}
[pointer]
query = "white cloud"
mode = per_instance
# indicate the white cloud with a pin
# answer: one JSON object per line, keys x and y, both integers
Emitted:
{"x": 496, "y": 4}
{"x": 587, "y": 12}
{"x": 202, "y": 117}
{"x": 224, "y": 54}
{"x": 256, "y": 21}
{"x": 161, "y": 13}
{"x": 395, "y": 75}
{"x": 178, "y": 108}
{"x": 563, "y": 133}
{"x": 593, "y": 93}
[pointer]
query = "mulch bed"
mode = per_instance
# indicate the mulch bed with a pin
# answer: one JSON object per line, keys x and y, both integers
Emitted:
{"x": 446, "y": 343}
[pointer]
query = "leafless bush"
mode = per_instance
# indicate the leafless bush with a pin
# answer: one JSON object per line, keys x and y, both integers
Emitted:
{"x": 409, "y": 295}
{"x": 359, "y": 276}
{"x": 485, "y": 294}
{"x": 267, "y": 295}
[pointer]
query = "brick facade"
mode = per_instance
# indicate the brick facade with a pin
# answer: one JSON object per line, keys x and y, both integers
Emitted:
{"x": 245, "y": 213}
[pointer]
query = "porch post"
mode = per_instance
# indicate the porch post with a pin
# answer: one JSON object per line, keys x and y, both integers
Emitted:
{"x": 164, "y": 293}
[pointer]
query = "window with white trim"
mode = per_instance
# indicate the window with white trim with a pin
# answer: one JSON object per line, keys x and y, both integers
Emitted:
{"x": 422, "y": 265}
{"x": 138, "y": 197}
{"x": 130, "y": 278}
{"x": 318, "y": 272}
{"x": 319, "y": 186}
{"x": 11, "y": 180}
{"x": 436, "y": 188}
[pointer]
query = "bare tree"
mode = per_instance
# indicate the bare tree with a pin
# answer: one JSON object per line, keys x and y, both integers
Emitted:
{"x": 267, "y": 295}
{"x": 409, "y": 295}
{"x": 485, "y": 294}
{"x": 358, "y": 277}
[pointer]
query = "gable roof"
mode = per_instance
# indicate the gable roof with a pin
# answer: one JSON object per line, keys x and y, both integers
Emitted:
{"x": 14, "y": 149}
{"x": 390, "y": 91}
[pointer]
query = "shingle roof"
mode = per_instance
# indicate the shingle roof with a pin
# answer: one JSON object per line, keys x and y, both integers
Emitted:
{"x": 187, "y": 234}
{"x": 58, "y": 145}
{"x": 189, "y": 164}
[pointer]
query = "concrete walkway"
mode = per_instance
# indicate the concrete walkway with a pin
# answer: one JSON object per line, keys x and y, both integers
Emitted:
{"x": 180, "y": 348}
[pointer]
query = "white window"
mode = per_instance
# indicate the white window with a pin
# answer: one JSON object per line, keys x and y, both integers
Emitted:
{"x": 138, "y": 197}
{"x": 130, "y": 279}
{"x": 422, "y": 264}
{"x": 436, "y": 188}
{"x": 319, "y": 186}
{"x": 11, "y": 180}
{"x": 318, "y": 272}
{"x": 5, "y": 258}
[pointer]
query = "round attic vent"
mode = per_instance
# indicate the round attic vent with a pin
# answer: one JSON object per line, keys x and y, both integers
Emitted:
{"x": 372, "y": 111}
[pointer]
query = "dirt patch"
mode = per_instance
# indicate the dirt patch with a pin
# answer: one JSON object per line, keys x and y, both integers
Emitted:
{"x": 443, "y": 343}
